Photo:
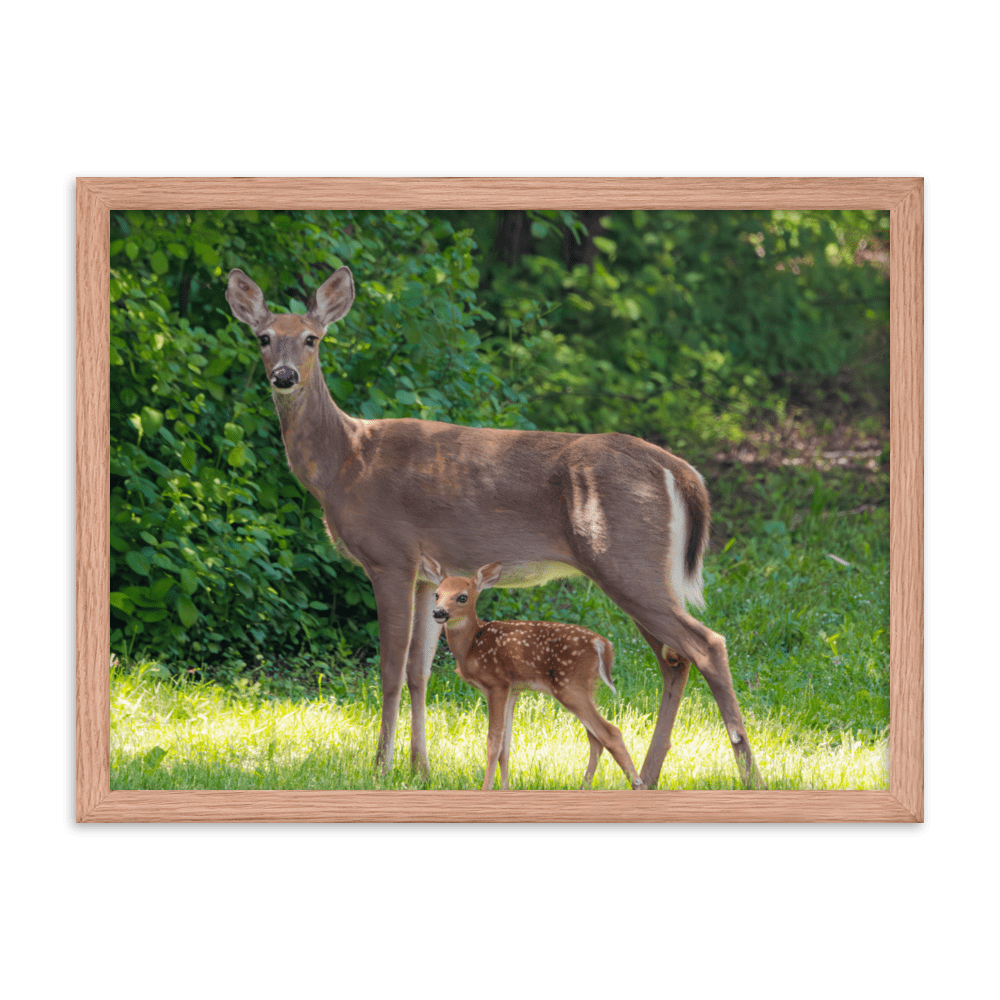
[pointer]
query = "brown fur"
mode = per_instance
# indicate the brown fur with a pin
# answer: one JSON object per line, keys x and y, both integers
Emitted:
{"x": 503, "y": 658}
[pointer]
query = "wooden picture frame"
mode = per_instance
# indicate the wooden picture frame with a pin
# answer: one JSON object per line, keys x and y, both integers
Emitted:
{"x": 903, "y": 802}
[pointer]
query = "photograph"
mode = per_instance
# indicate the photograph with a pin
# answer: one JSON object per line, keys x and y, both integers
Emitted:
{"x": 454, "y": 500}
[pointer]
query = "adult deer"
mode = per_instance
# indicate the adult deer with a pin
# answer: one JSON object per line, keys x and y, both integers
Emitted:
{"x": 501, "y": 659}
{"x": 630, "y": 516}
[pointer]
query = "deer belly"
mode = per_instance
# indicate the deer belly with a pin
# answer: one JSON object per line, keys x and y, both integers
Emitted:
{"x": 529, "y": 574}
{"x": 533, "y": 574}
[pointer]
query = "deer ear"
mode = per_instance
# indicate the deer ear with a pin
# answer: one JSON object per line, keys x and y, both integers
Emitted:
{"x": 487, "y": 576}
{"x": 432, "y": 569}
{"x": 333, "y": 298}
{"x": 246, "y": 300}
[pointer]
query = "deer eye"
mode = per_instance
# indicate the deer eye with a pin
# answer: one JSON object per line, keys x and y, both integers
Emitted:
{"x": 310, "y": 341}
{"x": 462, "y": 598}
{"x": 264, "y": 340}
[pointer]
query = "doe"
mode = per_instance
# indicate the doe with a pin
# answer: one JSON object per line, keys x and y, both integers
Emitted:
{"x": 621, "y": 511}
{"x": 503, "y": 658}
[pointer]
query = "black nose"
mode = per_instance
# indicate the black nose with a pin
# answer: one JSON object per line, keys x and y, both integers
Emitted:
{"x": 440, "y": 615}
{"x": 284, "y": 377}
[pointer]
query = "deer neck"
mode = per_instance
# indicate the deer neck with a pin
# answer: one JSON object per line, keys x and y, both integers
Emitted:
{"x": 461, "y": 634}
{"x": 316, "y": 432}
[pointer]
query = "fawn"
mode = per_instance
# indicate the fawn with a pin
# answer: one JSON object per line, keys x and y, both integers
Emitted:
{"x": 503, "y": 658}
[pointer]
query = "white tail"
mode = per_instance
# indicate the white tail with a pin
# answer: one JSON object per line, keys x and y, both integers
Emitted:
{"x": 630, "y": 516}
{"x": 504, "y": 658}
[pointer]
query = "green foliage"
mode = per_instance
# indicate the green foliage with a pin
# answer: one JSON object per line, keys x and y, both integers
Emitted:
{"x": 219, "y": 558}
{"x": 681, "y": 325}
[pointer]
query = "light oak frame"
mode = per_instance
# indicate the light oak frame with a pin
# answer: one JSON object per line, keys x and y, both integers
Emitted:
{"x": 97, "y": 197}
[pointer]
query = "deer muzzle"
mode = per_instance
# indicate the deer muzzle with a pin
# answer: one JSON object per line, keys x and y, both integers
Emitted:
{"x": 284, "y": 377}
{"x": 440, "y": 615}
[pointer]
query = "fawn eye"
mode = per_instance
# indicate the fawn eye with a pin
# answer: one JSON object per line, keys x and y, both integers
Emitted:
{"x": 310, "y": 341}
{"x": 462, "y": 598}
{"x": 264, "y": 340}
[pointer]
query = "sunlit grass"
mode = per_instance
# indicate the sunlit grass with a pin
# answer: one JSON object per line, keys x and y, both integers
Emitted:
{"x": 218, "y": 738}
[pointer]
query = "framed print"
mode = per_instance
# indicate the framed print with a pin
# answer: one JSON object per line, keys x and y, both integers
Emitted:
{"x": 902, "y": 196}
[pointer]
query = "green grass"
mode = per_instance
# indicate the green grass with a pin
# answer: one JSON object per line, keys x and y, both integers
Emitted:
{"x": 808, "y": 647}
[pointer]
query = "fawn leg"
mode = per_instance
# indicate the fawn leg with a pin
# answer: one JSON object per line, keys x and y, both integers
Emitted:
{"x": 508, "y": 725}
{"x": 496, "y": 703}
{"x": 596, "y": 749}
{"x": 604, "y": 732}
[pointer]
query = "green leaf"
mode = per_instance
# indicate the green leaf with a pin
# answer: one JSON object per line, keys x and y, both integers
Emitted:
{"x": 269, "y": 494}
{"x": 152, "y": 420}
{"x": 207, "y": 254}
{"x": 186, "y": 611}
{"x": 187, "y": 458}
{"x": 159, "y": 262}
{"x": 233, "y": 433}
{"x": 189, "y": 581}
{"x": 161, "y": 588}
{"x": 138, "y": 563}
{"x": 121, "y": 602}
{"x": 238, "y": 456}
{"x": 152, "y": 615}
{"x": 216, "y": 367}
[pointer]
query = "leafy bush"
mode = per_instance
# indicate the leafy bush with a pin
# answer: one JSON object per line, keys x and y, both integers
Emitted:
{"x": 679, "y": 325}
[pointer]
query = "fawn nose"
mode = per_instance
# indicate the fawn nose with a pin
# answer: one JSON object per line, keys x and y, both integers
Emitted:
{"x": 440, "y": 615}
{"x": 284, "y": 377}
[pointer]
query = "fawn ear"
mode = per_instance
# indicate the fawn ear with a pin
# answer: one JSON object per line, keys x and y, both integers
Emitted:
{"x": 333, "y": 298}
{"x": 432, "y": 569}
{"x": 487, "y": 576}
{"x": 246, "y": 300}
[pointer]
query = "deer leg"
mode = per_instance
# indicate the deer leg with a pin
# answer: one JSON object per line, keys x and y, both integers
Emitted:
{"x": 674, "y": 669}
{"x": 394, "y": 601}
{"x": 715, "y": 669}
{"x": 423, "y": 643}
{"x": 685, "y": 638}
{"x": 496, "y": 703}
{"x": 508, "y": 725}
